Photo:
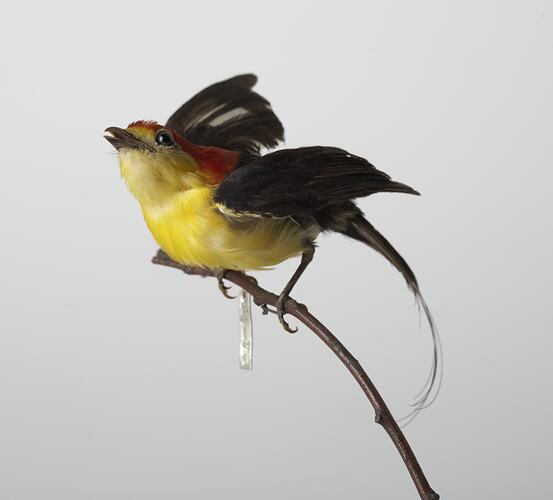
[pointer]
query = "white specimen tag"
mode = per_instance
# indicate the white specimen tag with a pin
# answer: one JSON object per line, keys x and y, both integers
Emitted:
{"x": 246, "y": 330}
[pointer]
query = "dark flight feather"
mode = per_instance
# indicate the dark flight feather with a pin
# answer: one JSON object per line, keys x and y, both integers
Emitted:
{"x": 229, "y": 115}
{"x": 317, "y": 184}
{"x": 303, "y": 181}
{"x": 359, "y": 228}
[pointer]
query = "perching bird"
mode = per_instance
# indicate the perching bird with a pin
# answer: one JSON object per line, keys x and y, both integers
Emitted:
{"x": 211, "y": 199}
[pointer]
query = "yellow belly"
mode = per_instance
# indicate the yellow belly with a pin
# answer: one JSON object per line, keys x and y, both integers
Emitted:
{"x": 193, "y": 232}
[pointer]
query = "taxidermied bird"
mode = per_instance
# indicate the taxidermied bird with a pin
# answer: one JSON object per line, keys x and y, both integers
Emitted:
{"x": 211, "y": 199}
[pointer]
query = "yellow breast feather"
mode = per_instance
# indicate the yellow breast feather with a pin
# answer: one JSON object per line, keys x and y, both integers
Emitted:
{"x": 191, "y": 230}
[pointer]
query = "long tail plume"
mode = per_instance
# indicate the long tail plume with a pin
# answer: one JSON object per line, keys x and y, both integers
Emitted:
{"x": 362, "y": 230}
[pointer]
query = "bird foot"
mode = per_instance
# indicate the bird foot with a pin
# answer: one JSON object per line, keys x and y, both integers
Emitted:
{"x": 220, "y": 275}
{"x": 280, "y": 313}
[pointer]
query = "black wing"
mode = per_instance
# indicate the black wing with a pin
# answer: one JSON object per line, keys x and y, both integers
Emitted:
{"x": 229, "y": 115}
{"x": 301, "y": 182}
{"x": 318, "y": 184}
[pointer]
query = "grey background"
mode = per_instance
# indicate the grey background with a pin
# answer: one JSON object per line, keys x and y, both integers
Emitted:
{"x": 120, "y": 380}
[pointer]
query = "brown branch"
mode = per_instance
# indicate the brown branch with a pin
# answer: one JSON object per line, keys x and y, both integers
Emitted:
{"x": 299, "y": 311}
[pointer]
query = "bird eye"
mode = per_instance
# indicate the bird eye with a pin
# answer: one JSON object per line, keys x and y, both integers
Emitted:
{"x": 164, "y": 138}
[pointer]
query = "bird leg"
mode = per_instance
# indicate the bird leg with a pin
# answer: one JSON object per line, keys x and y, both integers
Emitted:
{"x": 220, "y": 275}
{"x": 306, "y": 258}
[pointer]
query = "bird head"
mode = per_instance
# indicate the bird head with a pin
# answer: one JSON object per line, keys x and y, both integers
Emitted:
{"x": 157, "y": 163}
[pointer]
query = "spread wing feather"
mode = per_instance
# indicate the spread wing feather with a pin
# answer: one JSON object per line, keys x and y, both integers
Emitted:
{"x": 229, "y": 115}
{"x": 303, "y": 181}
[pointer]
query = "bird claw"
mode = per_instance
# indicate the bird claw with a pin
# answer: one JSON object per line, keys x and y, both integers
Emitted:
{"x": 265, "y": 309}
{"x": 224, "y": 288}
{"x": 280, "y": 313}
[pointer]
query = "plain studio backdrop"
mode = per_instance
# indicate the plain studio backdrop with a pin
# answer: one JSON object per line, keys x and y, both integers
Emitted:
{"x": 120, "y": 379}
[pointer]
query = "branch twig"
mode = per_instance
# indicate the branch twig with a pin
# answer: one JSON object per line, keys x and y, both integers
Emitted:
{"x": 299, "y": 311}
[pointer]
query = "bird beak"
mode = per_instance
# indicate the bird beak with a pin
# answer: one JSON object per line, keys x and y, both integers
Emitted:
{"x": 119, "y": 138}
